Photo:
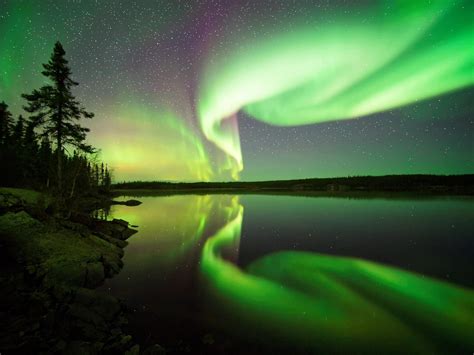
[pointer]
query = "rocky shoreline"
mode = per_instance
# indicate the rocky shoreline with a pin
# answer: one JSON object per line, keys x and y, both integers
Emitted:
{"x": 49, "y": 269}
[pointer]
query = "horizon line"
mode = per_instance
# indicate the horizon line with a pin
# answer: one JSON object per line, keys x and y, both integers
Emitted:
{"x": 294, "y": 179}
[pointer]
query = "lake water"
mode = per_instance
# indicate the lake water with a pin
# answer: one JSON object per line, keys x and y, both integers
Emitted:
{"x": 259, "y": 273}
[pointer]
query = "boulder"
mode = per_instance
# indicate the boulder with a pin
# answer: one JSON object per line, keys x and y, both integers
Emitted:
{"x": 118, "y": 242}
{"x": 95, "y": 275}
{"x": 77, "y": 347}
{"x": 112, "y": 265}
{"x": 134, "y": 350}
{"x": 10, "y": 202}
{"x": 117, "y": 229}
{"x": 106, "y": 306}
{"x": 85, "y": 314}
{"x": 154, "y": 350}
{"x": 120, "y": 222}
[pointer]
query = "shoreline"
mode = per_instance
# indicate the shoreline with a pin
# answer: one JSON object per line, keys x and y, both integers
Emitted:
{"x": 51, "y": 268}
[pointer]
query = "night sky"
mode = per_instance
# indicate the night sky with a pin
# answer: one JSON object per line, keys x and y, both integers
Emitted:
{"x": 219, "y": 90}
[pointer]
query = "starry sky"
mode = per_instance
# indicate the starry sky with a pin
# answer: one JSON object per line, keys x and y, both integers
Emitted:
{"x": 256, "y": 90}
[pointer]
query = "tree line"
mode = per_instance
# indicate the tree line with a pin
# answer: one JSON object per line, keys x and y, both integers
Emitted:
{"x": 454, "y": 184}
{"x": 47, "y": 150}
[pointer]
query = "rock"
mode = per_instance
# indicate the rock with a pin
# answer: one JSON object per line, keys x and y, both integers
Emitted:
{"x": 98, "y": 346}
{"x": 77, "y": 347}
{"x": 119, "y": 345}
{"x": 208, "y": 339}
{"x": 106, "y": 306}
{"x": 154, "y": 350}
{"x": 68, "y": 274}
{"x": 84, "y": 296}
{"x": 61, "y": 260}
{"x": 120, "y": 222}
{"x": 112, "y": 266}
{"x": 94, "y": 275}
{"x": 82, "y": 218}
{"x": 76, "y": 227}
{"x": 127, "y": 233}
{"x": 116, "y": 331}
{"x": 88, "y": 331}
{"x": 118, "y": 242}
{"x": 134, "y": 350}
{"x": 60, "y": 292}
{"x": 126, "y": 339}
{"x": 117, "y": 229}
{"x": 61, "y": 345}
{"x": 48, "y": 319}
{"x": 85, "y": 314}
{"x": 13, "y": 221}
{"x": 10, "y": 202}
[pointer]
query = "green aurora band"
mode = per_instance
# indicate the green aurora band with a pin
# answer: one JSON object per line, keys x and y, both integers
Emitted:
{"x": 334, "y": 66}
{"x": 329, "y": 303}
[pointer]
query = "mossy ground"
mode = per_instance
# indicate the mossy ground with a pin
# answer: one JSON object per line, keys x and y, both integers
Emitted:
{"x": 49, "y": 268}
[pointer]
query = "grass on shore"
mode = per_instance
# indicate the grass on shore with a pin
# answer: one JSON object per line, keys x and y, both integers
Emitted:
{"x": 30, "y": 197}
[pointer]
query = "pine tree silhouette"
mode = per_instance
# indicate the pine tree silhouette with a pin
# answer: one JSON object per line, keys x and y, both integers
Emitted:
{"x": 55, "y": 109}
{"x": 5, "y": 123}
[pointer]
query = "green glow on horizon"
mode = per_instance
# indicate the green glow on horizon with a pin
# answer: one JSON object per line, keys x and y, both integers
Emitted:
{"x": 342, "y": 66}
{"x": 156, "y": 142}
{"x": 330, "y": 303}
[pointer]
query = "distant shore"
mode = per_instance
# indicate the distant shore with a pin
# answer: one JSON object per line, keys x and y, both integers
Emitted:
{"x": 339, "y": 186}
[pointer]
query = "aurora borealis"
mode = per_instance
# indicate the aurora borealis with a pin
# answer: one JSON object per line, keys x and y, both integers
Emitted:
{"x": 365, "y": 105}
{"x": 204, "y": 90}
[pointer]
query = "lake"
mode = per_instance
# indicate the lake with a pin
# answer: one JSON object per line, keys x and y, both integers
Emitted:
{"x": 259, "y": 273}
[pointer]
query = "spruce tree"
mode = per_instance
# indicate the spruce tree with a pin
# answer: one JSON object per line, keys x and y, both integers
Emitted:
{"x": 96, "y": 176}
{"x": 18, "y": 132}
{"x": 5, "y": 140}
{"x": 30, "y": 156}
{"x": 54, "y": 107}
{"x": 102, "y": 174}
{"x": 107, "y": 179}
{"x": 5, "y": 124}
{"x": 15, "y": 153}
{"x": 45, "y": 154}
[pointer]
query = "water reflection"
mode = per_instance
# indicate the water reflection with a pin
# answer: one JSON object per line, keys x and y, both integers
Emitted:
{"x": 161, "y": 261}
{"x": 183, "y": 266}
{"x": 314, "y": 302}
